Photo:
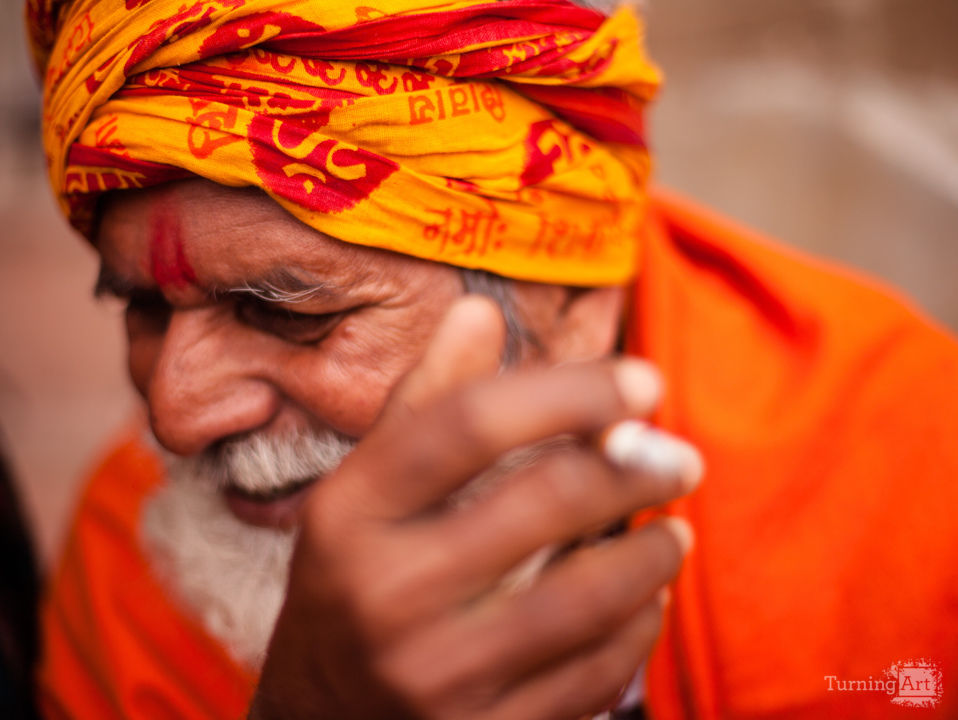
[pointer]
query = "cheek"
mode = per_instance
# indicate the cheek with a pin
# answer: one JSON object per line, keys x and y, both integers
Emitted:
{"x": 346, "y": 397}
{"x": 346, "y": 380}
{"x": 347, "y": 384}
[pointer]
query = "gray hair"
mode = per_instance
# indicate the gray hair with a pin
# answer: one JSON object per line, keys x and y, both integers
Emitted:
{"x": 501, "y": 290}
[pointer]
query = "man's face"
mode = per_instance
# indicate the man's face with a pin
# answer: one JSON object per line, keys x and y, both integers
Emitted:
{"x": 263, "y": 350}
{"x": 243, "y": 322}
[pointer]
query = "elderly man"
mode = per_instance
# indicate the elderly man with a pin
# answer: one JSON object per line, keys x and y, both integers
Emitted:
{"x": 382, "y": 495}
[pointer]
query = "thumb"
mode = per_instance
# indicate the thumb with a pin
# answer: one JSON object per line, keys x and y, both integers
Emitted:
{"x": 467, "y": 345}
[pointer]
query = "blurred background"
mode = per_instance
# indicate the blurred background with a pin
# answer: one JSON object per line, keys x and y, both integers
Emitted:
{"x": 830, "y": 124}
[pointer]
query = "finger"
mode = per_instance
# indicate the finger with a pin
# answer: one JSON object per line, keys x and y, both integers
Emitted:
{"x": 589, "y": 682}
{"x": 581, "y": 599}
{"x": 576, "y": 603}
{"x": 461, "y": 434}
{"x": 504, "y": 539}
{"x": 564, "y": 497}
{"x": 467, "y": 345}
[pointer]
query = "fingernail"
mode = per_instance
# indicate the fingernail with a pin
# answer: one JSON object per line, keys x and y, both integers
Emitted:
{"x": 635, "y": 445}
{"x": 682, "y": 532}
{"x": 639, "y": 384}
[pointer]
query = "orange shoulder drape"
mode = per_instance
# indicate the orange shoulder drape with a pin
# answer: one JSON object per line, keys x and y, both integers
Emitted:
{"x": 114, "y": 643}
{"x": 827, "y": 413}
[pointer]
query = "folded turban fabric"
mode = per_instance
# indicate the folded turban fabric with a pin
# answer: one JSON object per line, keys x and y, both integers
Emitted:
{"x": 506, "y": 136}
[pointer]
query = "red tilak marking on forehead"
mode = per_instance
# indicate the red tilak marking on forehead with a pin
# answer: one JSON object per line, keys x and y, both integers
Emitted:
{"x": 168, "y": 263}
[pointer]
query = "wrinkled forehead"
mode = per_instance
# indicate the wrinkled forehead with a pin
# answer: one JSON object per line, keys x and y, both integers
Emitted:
{"x": 198, "y": 233}
{"x": 199, "y": 207}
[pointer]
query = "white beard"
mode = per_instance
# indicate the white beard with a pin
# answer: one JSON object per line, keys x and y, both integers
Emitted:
{"x": 230, "y": 575}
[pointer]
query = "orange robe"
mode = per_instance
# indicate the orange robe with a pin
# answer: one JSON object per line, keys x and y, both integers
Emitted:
{"x": 827, "y": 412}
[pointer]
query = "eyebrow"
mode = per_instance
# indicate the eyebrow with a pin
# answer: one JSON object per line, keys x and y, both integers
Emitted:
{"x": 286, "y": 287}
{"x": 279, "y": 286}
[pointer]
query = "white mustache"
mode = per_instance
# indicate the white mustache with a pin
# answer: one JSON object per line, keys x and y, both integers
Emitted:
{"x": 264, "y": 464}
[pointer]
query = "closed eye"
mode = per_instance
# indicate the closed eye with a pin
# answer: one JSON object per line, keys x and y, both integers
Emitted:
{"x": 289, "y": 325}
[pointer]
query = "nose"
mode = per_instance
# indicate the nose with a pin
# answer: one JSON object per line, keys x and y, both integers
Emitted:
{"x": 205, "y": 383}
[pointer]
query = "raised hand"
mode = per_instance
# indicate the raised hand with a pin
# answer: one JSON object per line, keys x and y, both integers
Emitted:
{"x": 396, "y": 605}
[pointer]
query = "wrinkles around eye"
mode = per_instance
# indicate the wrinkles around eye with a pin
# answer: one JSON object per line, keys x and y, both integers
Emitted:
{"x": 289, "y": 325}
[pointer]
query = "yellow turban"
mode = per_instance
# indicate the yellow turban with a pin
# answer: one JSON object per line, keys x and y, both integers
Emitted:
{"x": 504, "y": 136}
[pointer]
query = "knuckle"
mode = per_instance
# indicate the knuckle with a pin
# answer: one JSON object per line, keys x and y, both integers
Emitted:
{"x": 581, "y": 607}
{"x": 403, "y": 584}
{"x": 604, "y": 577}
{"x": 382, "y": 604}
{"x": 377, "y": 612}
{"x": 609, "y": 603}
{"x": 395, "y": 580}
{"x": 435, "y": 683}
{"x": 567, "y": 488}
{"x": 603, "y": 601}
